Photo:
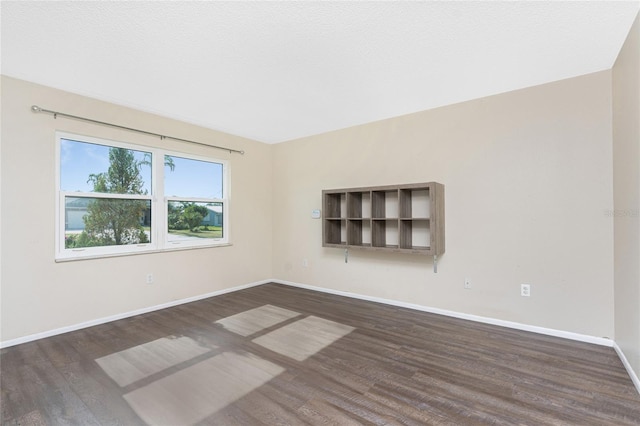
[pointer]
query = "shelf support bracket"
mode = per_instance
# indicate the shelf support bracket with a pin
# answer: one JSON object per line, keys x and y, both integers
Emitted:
{"x": 346, "y": 255}
{"x": 435, "y": 263}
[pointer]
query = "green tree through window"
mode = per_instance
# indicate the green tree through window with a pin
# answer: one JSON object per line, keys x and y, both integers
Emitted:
{"x": 115, "y": 221}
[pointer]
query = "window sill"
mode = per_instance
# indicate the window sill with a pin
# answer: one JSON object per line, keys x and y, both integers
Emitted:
{"x": 138, "y": 253}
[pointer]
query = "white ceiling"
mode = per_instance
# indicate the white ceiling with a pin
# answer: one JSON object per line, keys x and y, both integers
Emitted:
{"x": 276, "y": 71}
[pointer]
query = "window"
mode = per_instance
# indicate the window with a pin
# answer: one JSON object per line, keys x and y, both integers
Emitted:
{"x": 117, "y": 198}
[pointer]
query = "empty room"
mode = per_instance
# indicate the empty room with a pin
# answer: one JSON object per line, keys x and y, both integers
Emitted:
{"x": 320, "y": 213}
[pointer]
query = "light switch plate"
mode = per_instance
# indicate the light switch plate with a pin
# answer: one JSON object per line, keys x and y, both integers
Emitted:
{"x": 315, "y": 214}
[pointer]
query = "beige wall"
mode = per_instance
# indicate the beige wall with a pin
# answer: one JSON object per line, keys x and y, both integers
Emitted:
{"x": 38, "y": 294}
{"x": 626, "y": 173}
{"x": 528, "y": 178}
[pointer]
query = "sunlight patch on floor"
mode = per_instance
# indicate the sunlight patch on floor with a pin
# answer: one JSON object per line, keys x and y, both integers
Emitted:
{"x": 303, "y": 338}
{"x": 130, "y": 365}
{"x": 192, "y": 394}
{"x": 249, "y": 322}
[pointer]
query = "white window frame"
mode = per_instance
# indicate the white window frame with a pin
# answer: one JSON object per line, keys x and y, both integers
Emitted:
{"x": 159, "y": 232}
{"x": 225, "y": 211}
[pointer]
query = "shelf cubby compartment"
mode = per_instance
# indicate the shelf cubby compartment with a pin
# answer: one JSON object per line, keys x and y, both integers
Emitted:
{"x": 384, "y": 204}
{"x": 335, "y": 232}
{"x": 359, "y": 232}
{"x": 334, "y": 205}
{"x": 415, "y": 235}
{"x": 384, "y": 233}
{"x": 415, "y": 203}
{"x": 359, "y": 204}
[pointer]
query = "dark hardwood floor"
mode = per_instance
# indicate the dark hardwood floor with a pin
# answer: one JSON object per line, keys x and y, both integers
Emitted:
{"x": 321, "y": 360}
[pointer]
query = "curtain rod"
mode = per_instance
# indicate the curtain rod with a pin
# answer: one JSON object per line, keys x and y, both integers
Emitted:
{"x": 55, "y": 114}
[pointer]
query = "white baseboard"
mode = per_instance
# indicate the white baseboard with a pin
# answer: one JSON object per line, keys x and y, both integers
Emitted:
{"x": 487, "y": 320}
{"x": 54, "y": 332}
{"x": 627, "y": 366}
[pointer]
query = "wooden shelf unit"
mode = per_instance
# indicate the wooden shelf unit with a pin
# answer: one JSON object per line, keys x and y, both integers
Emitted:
{"x": 405, "y": 218}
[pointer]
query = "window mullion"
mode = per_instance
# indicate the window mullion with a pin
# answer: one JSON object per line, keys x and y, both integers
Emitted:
{"x": 159, "y": 208}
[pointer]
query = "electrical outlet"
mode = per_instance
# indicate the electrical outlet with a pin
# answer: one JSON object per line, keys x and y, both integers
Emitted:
{"x": 467, "y": 284}
{"x": 149, "y": 278}
{"x": 525, "y": 290}
{"x": 305, "y": 263}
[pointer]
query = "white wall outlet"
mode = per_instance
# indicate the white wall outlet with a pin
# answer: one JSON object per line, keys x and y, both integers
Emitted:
{"x": 467, "y": 284}
{"x": 149, "y": 279}
{"x": 305, "y": 263}
{"x": 525, "y": 290}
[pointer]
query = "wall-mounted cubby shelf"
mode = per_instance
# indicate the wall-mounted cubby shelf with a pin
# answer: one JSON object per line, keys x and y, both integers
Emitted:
{"x": 400, "y": 218}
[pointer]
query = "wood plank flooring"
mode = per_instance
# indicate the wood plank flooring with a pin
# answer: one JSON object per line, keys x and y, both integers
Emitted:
{"x": 278, "y": 355}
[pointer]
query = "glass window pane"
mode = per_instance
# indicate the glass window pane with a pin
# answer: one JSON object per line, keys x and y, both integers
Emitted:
{"x": 88, "y": 167}
{"x": 93, "y": 222}
{"x": 185, "y": 177}
{"x": 194, "y": 221}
